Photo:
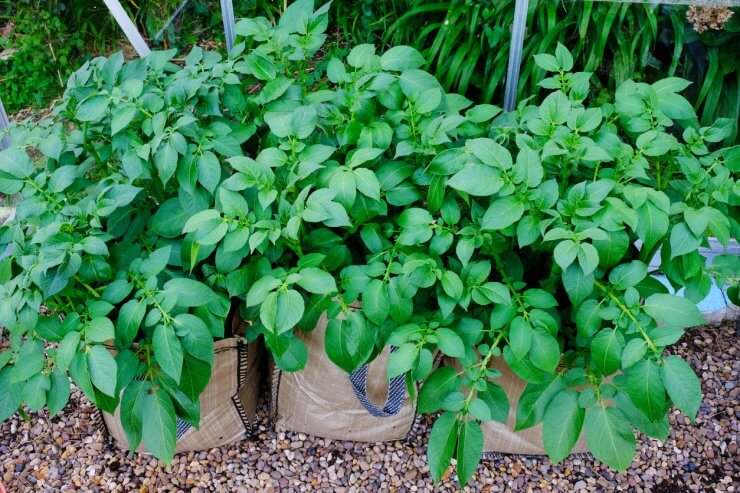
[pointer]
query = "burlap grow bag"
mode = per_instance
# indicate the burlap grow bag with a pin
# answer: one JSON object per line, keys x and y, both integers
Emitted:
{"x": 323, "y": 400}
{"x": 500, "y": 439}
{"x": 227, "y": 405}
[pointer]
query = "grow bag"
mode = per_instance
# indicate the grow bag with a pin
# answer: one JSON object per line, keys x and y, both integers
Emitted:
{"x": 325, "y": 401}
{"x": 500, "y": 439}
{"x": 227, "y": 405}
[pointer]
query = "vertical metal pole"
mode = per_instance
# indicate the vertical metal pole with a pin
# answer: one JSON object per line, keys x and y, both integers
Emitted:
{"x": 4, "y": 123}
{"x": 4, "y": 143}
{"x": 170, "y": 20}
{"x": 227, "y": 12}
{"x": 515, "y": 53}
{"x": 128, "y": 27}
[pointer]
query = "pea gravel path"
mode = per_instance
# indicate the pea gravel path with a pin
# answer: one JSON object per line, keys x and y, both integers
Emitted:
{"x": 65, "y": 454}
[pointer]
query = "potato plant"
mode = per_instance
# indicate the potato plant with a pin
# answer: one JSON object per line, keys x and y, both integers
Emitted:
{"x": 161, "y": 192}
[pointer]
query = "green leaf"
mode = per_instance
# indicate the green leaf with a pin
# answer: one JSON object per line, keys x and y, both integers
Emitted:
{"x": 452, "y": 285}
{"x": 103, "y": 369}
{"x": 10, "y": 394}
{"x": 609, "y": 437}
{"x": 400, "y": 58}
{"x": 520, "y": 337}
{"x": 168, "y": 351}
{"x": 132, "y": 410}
{"x": 367, "y": 183}
{"x": 361, "y": 55}
{"x": 528, "y": 168}
{"x": 502, "y": 213}
{"x": 628, "y": 275}
{"x": 363, "y": 155}
{"x": 195, "y": 336}
{"x": 545, "y": 351}
{"x": 290, "y": 353}
{"x": 588, "y": 257}
{"x": 682, "y": 385}
{"x": 317, "y": 281}
{"x": 117, "y": 291}
{"x": 565, "y": 253}
{"x": 349, "y": 342}
{"x": 606, "y": 350}
{"x": 34, "y": 392}
{"x": 652, "y": 225}
{"x": 92, "y": 109}
{"x": 490, "y": 153}
{"x": 169, "y": 219}
{"x": 190, "y": 292}
{"x": 441, "y": 382}
{"x": 683, "y": 240}
{"x": 633, "y": 352}
{"x": 497, "y": 401}
{"x": 375, "y": 301}
{"x": 442, "y": 440}
{"x": 160, "y": 426}
{"x": 67, "y": 349}
{"x": 121, "y": 118}
{"x": 578, "y": 285}
{"x": 562, "y": 425}
{"x": 534, "y": 401}
{"x": 129, "y": 320}
{"x": 414, "y": 81}
{"x": 402, "y": 360}
{"x": 476, "y": 179}
{"x": 645, "y": 388}
{"x": 166, "y": 161}
{"x": 16, "y": 162}
{"x": 450, "y": 343}
{"x": 469, "y": 450}
{"x": 612, "y": 249}
{"x": 282, "y": 310}
{"x": 30, "y": 360}
{"x": 546, "y": 62}
{"x": 195, "y": 376}
{"x": 659, "y": 429}
{"x": 673, "y": 310}
{"x": 260, "y": 66}
{"x": 59, "y": 391}
{"x": 260, "y": 289}
{"x": 99, "y": 330}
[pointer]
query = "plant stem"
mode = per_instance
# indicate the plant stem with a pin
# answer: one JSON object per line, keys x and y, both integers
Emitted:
{"x": 629, "y": 314}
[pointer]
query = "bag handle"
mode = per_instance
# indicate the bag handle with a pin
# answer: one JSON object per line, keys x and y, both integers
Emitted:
{"x": 396, "y": 391}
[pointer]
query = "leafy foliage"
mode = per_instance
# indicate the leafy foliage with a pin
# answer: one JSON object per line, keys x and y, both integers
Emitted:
{"x": 412, "y": 217}
{"x": 466, "y": 45}
{"x": 35, "y": 59}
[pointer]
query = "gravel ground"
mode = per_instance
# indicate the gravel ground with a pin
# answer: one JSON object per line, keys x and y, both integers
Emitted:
{"x": 66, "y": 454}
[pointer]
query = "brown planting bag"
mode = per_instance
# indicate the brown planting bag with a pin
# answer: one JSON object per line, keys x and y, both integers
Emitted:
{"x": 500, "y": 439}
{"x": 228, "y": 404}
{"x": 325, "y": 401}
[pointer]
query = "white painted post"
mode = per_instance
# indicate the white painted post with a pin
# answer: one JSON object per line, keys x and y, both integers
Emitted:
{"x": 170, "y": 20}
{"x": 518, "y": 28}
{"x": 4, "y": 123}
{"x": 227, "y": 12}
{"x": 128, "y": 27}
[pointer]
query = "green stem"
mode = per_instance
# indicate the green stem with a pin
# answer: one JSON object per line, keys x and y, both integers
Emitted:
{"x": 482, "y": 367}
{"x": 150, "y": 296}
{"x": 88, "y": 287}
{"x": 629, "y": 314}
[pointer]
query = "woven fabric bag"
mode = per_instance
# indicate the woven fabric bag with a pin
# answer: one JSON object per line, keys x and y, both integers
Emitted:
{"x": 228, "y": 404}
{"x": 499, "y": 439}
{"x": 323, "y": 400}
